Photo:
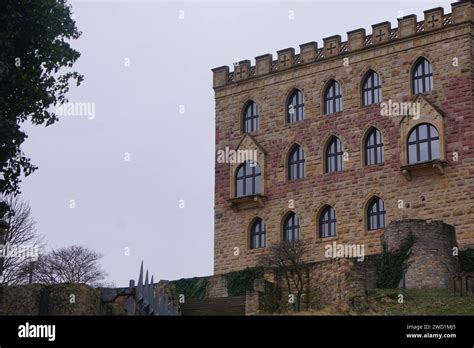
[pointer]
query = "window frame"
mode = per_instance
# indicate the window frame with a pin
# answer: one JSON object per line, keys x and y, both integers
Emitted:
{"x": 417, "y": 143}
{"x": 296, "y": 99}
{"x": 339, "y": 155}
{"x": 380, "y": 214}
{"x": 335, "y": 100}
{"x": 250, "y": 116}
{"x": 253, "y": 175}
{"x": 373, "y": 132}
{"x": 330, "y": 221}
{"x": 260, "y": 235}
{"x": 426, "y": 77}
{"x": 294, "y": 229}
{"x": 300, "y": 160}
{"x": 372, "y": 91}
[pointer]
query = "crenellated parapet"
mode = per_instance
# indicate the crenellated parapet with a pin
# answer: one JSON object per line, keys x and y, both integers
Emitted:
{"x": 382, "y": 33}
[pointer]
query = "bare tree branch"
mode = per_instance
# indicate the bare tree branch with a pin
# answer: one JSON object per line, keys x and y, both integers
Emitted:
{"x": 21, "y": 235}
{"x": 287, "y": 259}
{"x": 73, "y": 264}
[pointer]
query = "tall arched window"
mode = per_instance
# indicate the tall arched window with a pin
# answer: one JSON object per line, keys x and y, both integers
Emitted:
{"x": 291, "y": 228}
{"x": 422, "y": 76}
{"x": 371, "y": 89}
{"x": 423, "y": 143}
{"x": 334, "y": 156}
{"x": 332, "y": 98}
{"x": 374, "y": 147}
{"x": 327, "y": 222}
{"x": 376, "y": 214}
{"x": 250, "y": 118}
{"x": 296, "y": 163}
{"x": 258, "y": 234}
{"x": 295, "y": 107}
{"x": 247, "y": 179}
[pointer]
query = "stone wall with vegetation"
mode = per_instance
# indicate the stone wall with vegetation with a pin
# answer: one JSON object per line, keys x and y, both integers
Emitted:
{"x": 60, "y": 299}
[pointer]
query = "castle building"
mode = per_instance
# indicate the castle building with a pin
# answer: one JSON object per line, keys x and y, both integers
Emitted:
{"x": 347, "y": 138}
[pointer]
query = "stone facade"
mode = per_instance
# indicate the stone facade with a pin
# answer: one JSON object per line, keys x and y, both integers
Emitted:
{"x": 441, "y": 192}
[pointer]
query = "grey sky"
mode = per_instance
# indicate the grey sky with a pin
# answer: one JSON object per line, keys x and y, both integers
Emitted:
{"x": 135, "y": 204}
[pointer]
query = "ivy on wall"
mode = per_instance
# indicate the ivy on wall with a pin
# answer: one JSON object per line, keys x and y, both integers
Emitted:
{"x": 390, "y": 265}
{"x": 239, "y": 282}
{"x": 191, "y": 288}
{"x": 466, "y": 260}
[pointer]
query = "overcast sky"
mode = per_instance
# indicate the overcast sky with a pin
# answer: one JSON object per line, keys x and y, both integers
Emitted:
{"x": 150, "y": 143}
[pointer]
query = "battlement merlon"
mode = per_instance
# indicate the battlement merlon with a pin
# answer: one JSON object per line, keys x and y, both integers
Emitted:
{"x": 382, "y": 33}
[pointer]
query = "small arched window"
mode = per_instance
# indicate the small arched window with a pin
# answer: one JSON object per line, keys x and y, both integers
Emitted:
{"x": 248, "y": 179}
{"x": 334, "y": 156}
{"x": 374, "y": 147}
{"x": 291, "y": 228}
{"x": 250, "y": 118}
{"x": 295, "y": 107}
{"x": 376, "y": 214}
{"x": 327, "y": 222}
{"x": 422, "y": 76}
{"x": 332, "y": 98}
{"x": 371, "y": 89}
{"x": 423, "y": 143}
{"x": 296, "y": 163}
{"x": 258, "y": 234}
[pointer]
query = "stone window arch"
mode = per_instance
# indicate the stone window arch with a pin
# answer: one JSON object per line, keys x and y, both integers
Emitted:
{"x": 422, "y": 76}
{"x": 371, "y": 88}
{"x": 327, "y": 222}
{"x": 250, "y": 117}
{"x": 248, "y": 179}
{"x": 295, "y": 106}
{"x": 373, "y": 147}
{"x": 332, "y": 97}
{"x": 291, "y": 227}
{"x": 258, "y": 234}
{"x": 376, "y": 214}
{"x": 296, "y": 163}
{"x": 423, "y": 143}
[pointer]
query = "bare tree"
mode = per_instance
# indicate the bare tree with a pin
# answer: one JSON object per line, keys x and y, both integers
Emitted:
{"x": 73, "y": 264}
{"x": 21, "y": 243}
{"x": 287, "y": 260}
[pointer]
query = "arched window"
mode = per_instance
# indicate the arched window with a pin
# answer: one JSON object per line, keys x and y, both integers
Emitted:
{"x": 423, "y": 143}
{"x": 376, "y": 215}
{"x": 371, "y": 89}
{"x": 295, "y": 107}
{"x": 250, "y": 119}
{"x": 296, "y": 163}
{"x": 247, "y": 179}
{"x": 374, "y": 147}
{"x": 327, "y": 222}
{"x": 291, "y": 228}
{"x": 258, "y": 234}
{"x": 332, "y": 98}
{"x": 334, "y": 153}
{"x": 422, "y": 76}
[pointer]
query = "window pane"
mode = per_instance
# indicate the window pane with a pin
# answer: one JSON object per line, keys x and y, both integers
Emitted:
{"x": 380, "y": 158}
{"x": 257, "y": 184}
{"x": 412, "y": 158}
{"x": 435, "y": 149}
{"x": 424, "y": 152}
{"x": 423, "y": 132}
{"x": 240, "y": 188}
{"x": 248, "y": 186}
